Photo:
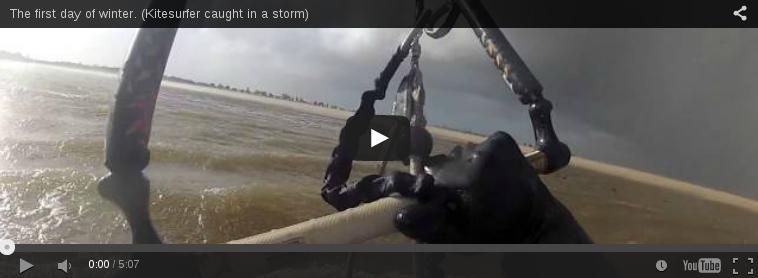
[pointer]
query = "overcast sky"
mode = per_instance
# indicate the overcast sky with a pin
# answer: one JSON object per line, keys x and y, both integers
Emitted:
{"x": 677, "y": 102}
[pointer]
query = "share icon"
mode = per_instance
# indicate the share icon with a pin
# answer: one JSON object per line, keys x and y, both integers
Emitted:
{"x": 738, "y": 13}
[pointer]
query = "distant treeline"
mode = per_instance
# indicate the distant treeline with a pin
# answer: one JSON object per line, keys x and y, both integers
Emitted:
{"x": 5, "y": 55}
{"x": 247, "y": 90}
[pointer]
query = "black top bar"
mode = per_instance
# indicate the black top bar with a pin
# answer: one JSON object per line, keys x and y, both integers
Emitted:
{"x": 387, "y": 13}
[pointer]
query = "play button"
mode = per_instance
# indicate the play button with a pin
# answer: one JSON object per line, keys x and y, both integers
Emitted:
{"x": 377, "y": 138}
{"x": 23, "y": 265}
{"x": 387, "y": 139}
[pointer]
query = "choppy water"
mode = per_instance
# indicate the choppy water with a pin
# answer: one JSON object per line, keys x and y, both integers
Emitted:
{"x": 221, "y": 168}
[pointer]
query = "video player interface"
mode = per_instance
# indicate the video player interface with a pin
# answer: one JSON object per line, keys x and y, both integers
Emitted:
{"x": 401, "y": 138}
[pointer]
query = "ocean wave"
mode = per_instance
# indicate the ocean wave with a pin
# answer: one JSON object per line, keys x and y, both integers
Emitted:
{"x": 63, "y": 206}
{"x": 54, "y": 206}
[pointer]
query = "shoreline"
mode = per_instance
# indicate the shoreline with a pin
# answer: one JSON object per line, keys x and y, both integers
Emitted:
{"x": 451, "y": 134}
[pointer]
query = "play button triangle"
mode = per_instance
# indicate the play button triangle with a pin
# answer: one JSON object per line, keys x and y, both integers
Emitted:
{"x": 377, "y": 138}
{"x": 23, "y": 265}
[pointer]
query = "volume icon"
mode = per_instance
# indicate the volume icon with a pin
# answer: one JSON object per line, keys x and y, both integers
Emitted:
{"x": 64, "y": 266}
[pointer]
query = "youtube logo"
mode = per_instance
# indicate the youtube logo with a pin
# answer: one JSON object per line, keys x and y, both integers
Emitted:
{"x": 388, "y": 138}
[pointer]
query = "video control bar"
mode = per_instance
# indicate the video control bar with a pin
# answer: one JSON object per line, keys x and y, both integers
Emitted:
{"x": 379, "y": 264}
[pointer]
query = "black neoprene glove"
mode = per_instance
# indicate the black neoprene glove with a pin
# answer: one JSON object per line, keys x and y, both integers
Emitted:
{"x": 486, "y": 193}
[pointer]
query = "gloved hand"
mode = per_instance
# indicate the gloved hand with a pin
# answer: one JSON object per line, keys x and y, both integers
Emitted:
{"x": 486, "y": 193}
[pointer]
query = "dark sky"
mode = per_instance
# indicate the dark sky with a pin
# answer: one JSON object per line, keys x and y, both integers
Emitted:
{"x": 677, "y": 102}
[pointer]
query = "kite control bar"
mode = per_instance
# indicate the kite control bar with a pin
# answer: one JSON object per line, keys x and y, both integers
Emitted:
{"x": 351, "y": 225}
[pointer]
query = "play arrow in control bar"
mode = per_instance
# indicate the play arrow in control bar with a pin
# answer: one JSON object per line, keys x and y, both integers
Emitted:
{"x": 23, "y": 265}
